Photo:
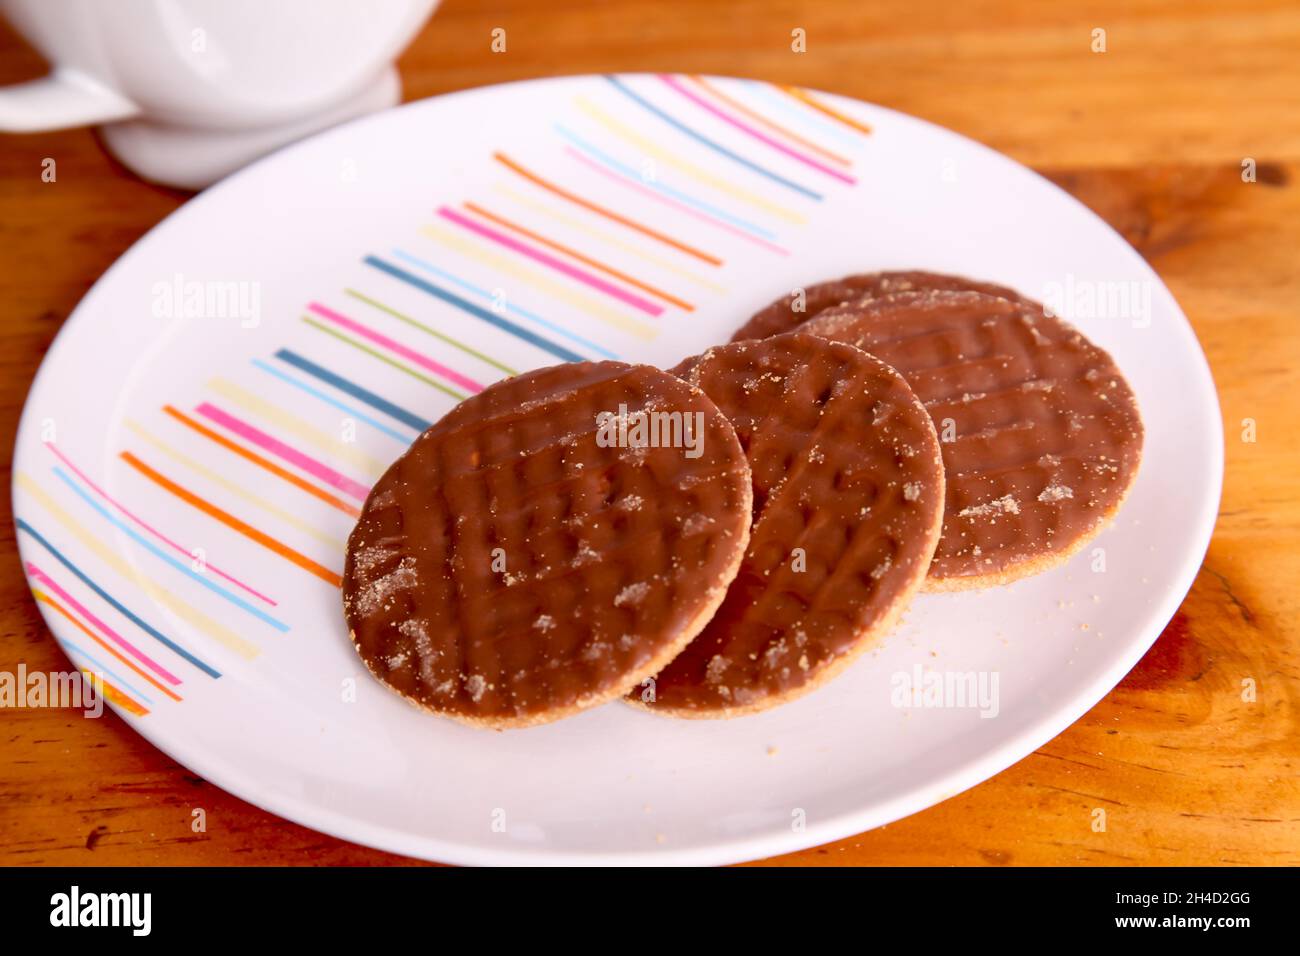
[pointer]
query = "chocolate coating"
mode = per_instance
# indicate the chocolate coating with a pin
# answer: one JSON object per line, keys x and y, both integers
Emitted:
{"x": 510, "y": 569}
{"x": 848, "y": 495}
{"x": 1045, "y": 433}
{"x": 780, "y": 315}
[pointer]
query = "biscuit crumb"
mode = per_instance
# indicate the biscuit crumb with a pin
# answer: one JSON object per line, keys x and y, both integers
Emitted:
{"x": 632, "y": 594}
{"x": 586, "y": 554}
{"x": 475, "y": 684}
{"x": 379, "y": 591}
{"x": 695, "y": 524}
{"x": 1055, "y": 492}
{"x": 774, "y": 652}
{"x": 716, "y": 667}
{"x": 1004, "y": 505}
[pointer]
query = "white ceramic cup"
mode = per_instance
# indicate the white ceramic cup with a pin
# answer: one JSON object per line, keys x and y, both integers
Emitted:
{"x": 189, "y": 90}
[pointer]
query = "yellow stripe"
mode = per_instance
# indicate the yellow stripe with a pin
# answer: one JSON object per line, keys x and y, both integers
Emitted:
{"x": 512, "y": 267}
{"x": 609, "y": 238}
{"x": 159, "y": 595}
{"x": 334, "y": 544}
{"x": 651, "y": 148}
{"x": 325, "y": 442}
{"x": 115, "y": 695}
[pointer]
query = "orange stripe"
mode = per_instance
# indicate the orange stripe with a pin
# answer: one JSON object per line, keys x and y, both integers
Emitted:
{"x": 230, "y": 521}
{"x": 579, "y": 256}
{"x": 601, "y": 210}
{"x": 115, "y": 695}
{"x": 759, "y": 118}
{"x": 257, "y": 459}
{"x": 42, "y": 596}
{"x": 803, "y": 96}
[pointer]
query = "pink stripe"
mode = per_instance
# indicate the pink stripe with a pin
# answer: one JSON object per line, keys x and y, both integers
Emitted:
{"x": 117, "y": 638}
{"x": 393, "y": 345}
{"x": 668, "y": 200}
{"x": 559, "y": 265}
{"x": 757, "y": 134}
{"x": 157, "y": 534}
{"x": 278, "y": 448}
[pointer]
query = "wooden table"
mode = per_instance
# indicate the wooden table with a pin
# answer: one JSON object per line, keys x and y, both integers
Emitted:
{"x": 1151, "y": 134}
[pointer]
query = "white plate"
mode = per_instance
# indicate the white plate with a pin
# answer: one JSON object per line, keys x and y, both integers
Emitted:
{"x": 280, "y": 727}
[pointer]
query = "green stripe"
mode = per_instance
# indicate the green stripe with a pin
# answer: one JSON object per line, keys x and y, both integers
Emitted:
{"x": 384, "y": 358}
{"x": 434, "y": 332}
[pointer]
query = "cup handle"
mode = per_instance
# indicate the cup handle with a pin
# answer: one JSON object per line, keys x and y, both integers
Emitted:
{"x": 60, "y": 100}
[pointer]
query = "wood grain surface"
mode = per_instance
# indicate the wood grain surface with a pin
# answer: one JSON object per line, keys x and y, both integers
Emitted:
{"x": 1151, "y": 134}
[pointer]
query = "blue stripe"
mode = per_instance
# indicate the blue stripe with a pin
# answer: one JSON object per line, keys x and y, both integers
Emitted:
{"x": 705, "y": 141}
{"x": 329, "y": 399}
{"x": 134, "y": 619}
{"x": 353, "y": 389}
{"x": 631, "y": 173}
{"x": 158, "y": 552}
{"x": 104, "y": 671}
{"x": 559, "y": 351}
{"x": 430, "y": 267}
